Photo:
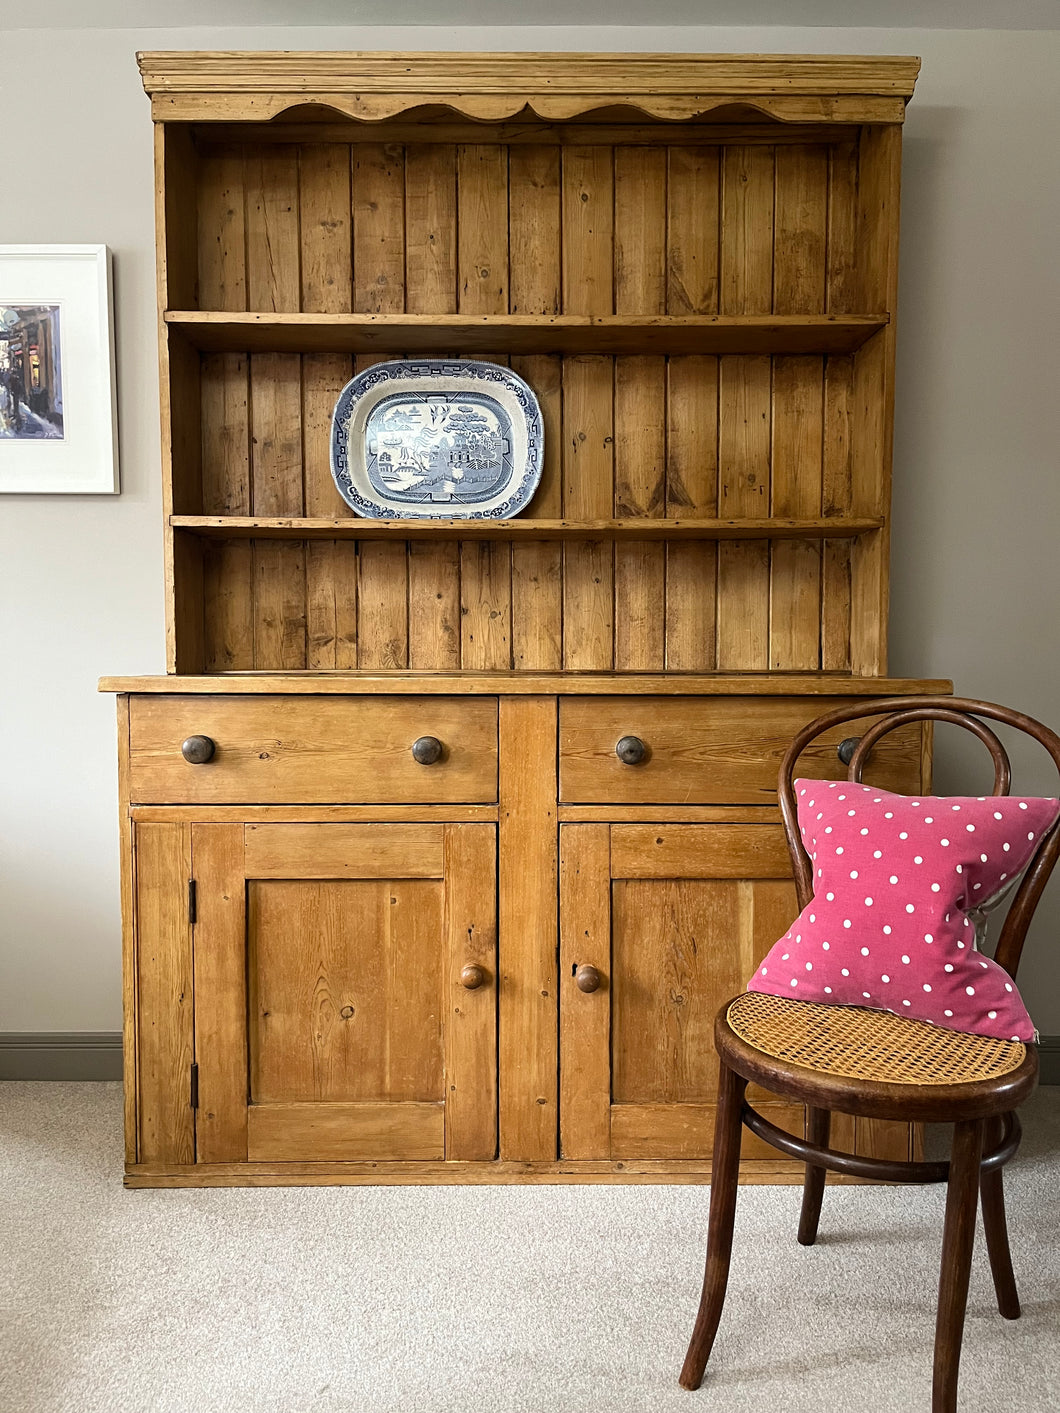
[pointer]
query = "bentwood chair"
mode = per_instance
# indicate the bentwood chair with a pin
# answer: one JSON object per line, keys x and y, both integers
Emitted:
{"x": 979, "y": 1098}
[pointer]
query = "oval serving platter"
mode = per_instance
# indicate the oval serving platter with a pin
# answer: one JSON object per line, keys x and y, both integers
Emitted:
{"x": 439, "y": 438}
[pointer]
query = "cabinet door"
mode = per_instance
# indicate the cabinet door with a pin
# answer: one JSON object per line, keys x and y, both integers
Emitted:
{"x": 674, "y": 918}
{"x": 332, "y": 1022}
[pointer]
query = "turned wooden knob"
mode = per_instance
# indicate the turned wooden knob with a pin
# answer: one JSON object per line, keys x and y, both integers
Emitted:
{"x": 426, "y": 750}
{"x": 587, "y": 978}
{"x": 197, "y": 750}
{"x": 631, "y": 750}
{"x": 472, "y": 977}
{"x": 845, "y": 750}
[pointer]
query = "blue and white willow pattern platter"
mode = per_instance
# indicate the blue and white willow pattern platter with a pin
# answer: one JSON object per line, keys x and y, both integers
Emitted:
{"x": 439, "y": 438}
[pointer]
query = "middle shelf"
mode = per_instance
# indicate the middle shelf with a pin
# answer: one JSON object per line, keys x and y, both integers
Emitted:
{"x": 355, "y": 528}
{"x": 214, "y": 331}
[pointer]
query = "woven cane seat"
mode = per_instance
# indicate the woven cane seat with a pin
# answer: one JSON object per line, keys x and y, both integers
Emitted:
{"x": 852, "y": 1042}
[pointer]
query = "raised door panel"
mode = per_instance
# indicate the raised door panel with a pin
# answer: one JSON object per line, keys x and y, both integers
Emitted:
{"x": 674, "y": 918}
{"x": 331, "y": 1021}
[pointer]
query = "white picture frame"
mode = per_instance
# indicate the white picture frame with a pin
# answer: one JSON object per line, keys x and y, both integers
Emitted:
{"x": 58, "y": 405}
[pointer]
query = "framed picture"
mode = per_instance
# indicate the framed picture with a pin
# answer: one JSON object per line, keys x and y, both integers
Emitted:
{"x": 58, "y": 412}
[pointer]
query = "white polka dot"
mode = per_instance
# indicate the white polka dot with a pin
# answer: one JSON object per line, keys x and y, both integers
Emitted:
{"x": 1015, "y": 1037}
{"x": 992, "y": 1015}
{"x": 909, "y": 908}
{"x": 1030, "y": 836}
{"x": 830, "y": 897}
{"x": 970, "y": 990}
{"x": 794, "y": 982}
{"x": 927, "y": 985}
{"x": 1022, "y": 805}
{"x": 1006, "y": 847}
{"x": 845, "y": 972}
{"x": 1008, "y": 986}
{"x": 918, "y": 859}
{"x": 809, "y": 966}
{"x": 820, "y": 816}
{"x": 828, "y": 991}
{"x": 866, "y": 995}
{"x": 887, "y": 931}
{"x": 928, "y": 819}
{"x": 997, "y": 814}
{"x": 763, "y": 971}
{"x": 906, "y": 960}
{"x": 840, "y": 849}
{"x": 976, "y": 887}
{"x": 885, "y": 978}
{"x": 798, "y": 937}
{"x": 949, "y": 1013}
{"x": 876, "y": 854}
{"x": 825, "y": 945}
{"x": 959, "y": 869}
{"x": 846, "y": 922}
{"x": 828, "y": 829}
{"x": 868, "y": 902}
{"x": 840, "y": 797}
{"x": 854, "y": 873}
{"x": 785, "y": 957}
{"x": 864, "y": 951}
{"x": 894, "y": 878}
{"x": 1002, "y": 878}
{"x": 935, "y": 887}
{"x": 905, "y": 1003}
{"x": 985, "y": 966}
{"x": 961, "y": 945}
{"x": 983, "y": 858}
{"x": 970, "y": 828}
{"x": 928, "y": 937}
{"x": 945, "y": 843}
{"x": 903, "y": 835}
{"x": 851, "y": 813}
{"x": 813, "y": 917}
{"x": 955, "y": 807}
{"x": 888, "y": 815}
{"x": 948, "y": 966}
{"x": 915, "y": 804}
{"x": 864, "y": 831}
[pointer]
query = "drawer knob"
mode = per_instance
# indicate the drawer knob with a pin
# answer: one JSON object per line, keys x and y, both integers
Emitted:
{"x": 587, "y": 978}
{"x": 472, "y": 977}
{"x": 631, "y": 750}
{"x": 197, "y": 750}
{"x": 845, "y": 750}
{"x": 426, "y": 750}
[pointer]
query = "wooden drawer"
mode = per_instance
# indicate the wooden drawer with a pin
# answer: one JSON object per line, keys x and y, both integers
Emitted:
{"x": 716, "y": 750}
{"x": 313, "y": 750}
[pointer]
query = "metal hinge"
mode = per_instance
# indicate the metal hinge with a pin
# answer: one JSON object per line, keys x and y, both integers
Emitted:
{"x": 193, "y": 901}
{"x": 194, "y": 1086}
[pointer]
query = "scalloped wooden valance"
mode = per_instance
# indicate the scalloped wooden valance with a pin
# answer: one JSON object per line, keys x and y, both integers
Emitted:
{"x": 370, "y": 87}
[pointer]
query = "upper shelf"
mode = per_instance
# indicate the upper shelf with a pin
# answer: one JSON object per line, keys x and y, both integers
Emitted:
{"x": 223, "y": 332}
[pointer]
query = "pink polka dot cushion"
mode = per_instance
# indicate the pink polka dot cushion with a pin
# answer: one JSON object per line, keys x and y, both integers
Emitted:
{"x": 895, "y": 880}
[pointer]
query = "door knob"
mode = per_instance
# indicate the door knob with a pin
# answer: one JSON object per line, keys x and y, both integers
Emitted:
{"x": 631, "y": 750}
{"x": 587, "y": 978}
{"x": 845, "y": 750}
{"x": 472, "y": 977}
{"x": 426, "y": 750}
{"x": 197, "y": 750}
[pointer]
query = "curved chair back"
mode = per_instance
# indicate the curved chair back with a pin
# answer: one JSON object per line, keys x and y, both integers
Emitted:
{"x": 959, "y": 711}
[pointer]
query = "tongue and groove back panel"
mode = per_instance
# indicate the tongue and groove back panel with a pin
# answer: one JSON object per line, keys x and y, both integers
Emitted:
{"x": 671, "y": 221}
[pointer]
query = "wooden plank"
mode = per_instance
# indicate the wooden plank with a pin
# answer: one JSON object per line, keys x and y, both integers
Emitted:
{"x": 470, "y": 1026}
{"x": 527, "y": 928}
{"x": 482, "y": 242}
{"x": 331, "y": 814}
{"x": 537, "y": 568}
{"x": 339, "y": 1132}
{"x": 220, "y": 993}
{"x": 691, "y": 490}
{"x": 330, "y": 565}
{"x": 430, "y": 229}
{"x": 708, "y": 851}
{"x": 390, "y": 334}
{"x": 485, "y": 605}
{"x": 744, "y": 406}
{"x": 588, "y": 230}
{"x": 346, "y": 986}
{"x": 225, "y": 434}
{"x": 344, "y": 850}
{"x": 324, "y": 228}
{"x": 434, "y": 605}
{"x": 165, "y": 1041}
{"x": 228, "y": 577}
{"x": 272, "y": 229}
{"x": 326, "y": 749}
{"x": 640, "y": 490}
{"x": 588, "y": 490}
{"x": 585, "y": 1017}
{"x": 686, "y": 1131}
{"x": 378, "y": 181}
{"x": 129, "y": 977}
{"x": 382, "y": 605}
{"x": 692, "y": 230}
{"x": 222, "y": 229}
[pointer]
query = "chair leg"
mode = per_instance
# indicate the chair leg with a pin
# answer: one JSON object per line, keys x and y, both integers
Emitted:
{"x": 957, "y": 1241}
{"x": 818, "y": 1123}
{"x": 724, "y": 1175}
{"x": 992, "y": 1191}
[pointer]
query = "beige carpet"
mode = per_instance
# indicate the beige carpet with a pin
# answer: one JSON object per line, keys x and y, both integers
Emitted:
{"x": 484, "y": 1300}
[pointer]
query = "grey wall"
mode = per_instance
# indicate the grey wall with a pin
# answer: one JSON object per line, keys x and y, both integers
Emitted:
{"x": 976, "y": 575}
